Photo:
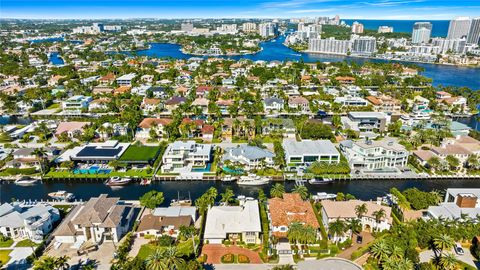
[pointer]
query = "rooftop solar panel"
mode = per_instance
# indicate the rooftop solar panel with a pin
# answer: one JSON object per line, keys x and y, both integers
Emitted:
{"x": 92, "y": 151}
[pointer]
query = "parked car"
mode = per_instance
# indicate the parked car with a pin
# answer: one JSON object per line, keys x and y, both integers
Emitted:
{"x": 459, "y": 249}
{"x": 359, "y": 239}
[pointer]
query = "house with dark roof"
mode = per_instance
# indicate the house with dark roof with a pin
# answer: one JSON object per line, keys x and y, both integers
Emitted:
{"x": 174, "y": 102}
{"x": 98, "y": 220}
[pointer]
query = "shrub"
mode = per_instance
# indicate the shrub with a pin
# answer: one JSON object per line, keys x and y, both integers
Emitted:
{"x": 243, "y": 259}
{"x": 227, "y": 258}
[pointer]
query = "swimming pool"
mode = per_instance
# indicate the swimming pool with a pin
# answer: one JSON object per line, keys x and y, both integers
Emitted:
{"x": 206, "y": 169}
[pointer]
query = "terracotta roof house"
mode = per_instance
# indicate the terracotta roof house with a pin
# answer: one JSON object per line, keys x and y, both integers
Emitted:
{"x": 147, "y": 124}
{"x": 290, "y": 209}
{"x": 299, "y": 103}
{"x": 122, "y": 90}
{"x": 71, "y": 128}
{"x": 345, "y": 79}
{"x": 107, "y": 79}
{"x": 150, "y": 104}
{"x": 202, "y": 91}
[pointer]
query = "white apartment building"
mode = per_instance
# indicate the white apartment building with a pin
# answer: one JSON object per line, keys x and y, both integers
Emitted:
{"x": 249, "y": 27}
{"x": 374, "y": 155}
{"x": 329, "y": 45}
{"x": 364, "y": 45}
{"x": 357, "y": 28}
{"x": 459, "y": 27}
{"x": 421, "y": 32}
{"x": 267, "y": 29}
{"x": 184, "y": 156}
{"x": 474, "y": 32}
{"x": 385, "y": 29}
{"x": 453, "y": 45}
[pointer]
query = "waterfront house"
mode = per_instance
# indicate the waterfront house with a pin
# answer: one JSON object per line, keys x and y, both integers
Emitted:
{"x": 166, "y": 220}
{"x": 186, "y": 156}
{"x": 24, "y": 158}
{"x": 458, "y": 204}
{"x": 375, "y": 155}
{"x": 95, "y": 153}
{"x": 234, "y": 223}
{"x": 290, "y": 209}
{"x": 152, "y": 125}
{"x": 100, "y": 219}
{"x": 76, "y": 103}
{"x": 20, "y": 221}
{"x": 304, "y": 153}
{"x": 250, "y": 157}
{"x": 345, "y": 211}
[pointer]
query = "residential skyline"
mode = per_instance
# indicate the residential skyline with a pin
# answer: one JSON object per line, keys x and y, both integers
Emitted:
{"x": 364, "y": 9}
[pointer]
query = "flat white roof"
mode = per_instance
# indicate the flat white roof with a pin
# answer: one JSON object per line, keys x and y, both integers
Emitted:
{"x": 309, "y": 147}
{"x": 232, "y": 219}
{"x": 127, "y": 77}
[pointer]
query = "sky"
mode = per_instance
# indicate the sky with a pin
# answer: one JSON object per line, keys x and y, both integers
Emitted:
{"x": 348, "y": 9}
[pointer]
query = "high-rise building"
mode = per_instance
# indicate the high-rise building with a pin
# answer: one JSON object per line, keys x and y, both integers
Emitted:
{"x": 249, "y": 27}
{"x": 364, "y": 45}
{"x": 474, "y": 32}
{"x": 329, "y": 45}
{"x": 300, "y": 27}
{"x": 446, "y": 45}
{"x": 459, "y": 27}
{"x": 421, "y": 32}
{"x": 357, "y": 28}
{"x": 267, "y": 29}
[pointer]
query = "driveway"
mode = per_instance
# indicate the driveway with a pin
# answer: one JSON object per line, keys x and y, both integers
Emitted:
{"x": 215, "y": 252}
{"x": 427, "y": 255}
{"x": 285, "y": 258}
{"x": 347, "y": 253}
{"x": 18, "y": 258}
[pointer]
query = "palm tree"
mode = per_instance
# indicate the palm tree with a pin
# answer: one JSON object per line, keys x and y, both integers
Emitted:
{"x": 361, "y": 210}
{"x": 355, "y": 226}
{"x": 277, "y": 190}
{"x": 227, "y": 196}
{"x": 380, "y": 250}
{"x": 396, "y": 252}
{"x": 40, "y": 154}
{"x": 337, "y": 228}
{"x": 448, "y": 262}
{"x": 45, "y": 263}
{"x": 62, "y": 262}
{"x": 443, "y": 242}
{"x": 283, "y": 267}
{"x": 379, "y": 215}
{"x": 155, "y": 261}
{"x": 172, "y": 259}
{"x": 302, "y": 191}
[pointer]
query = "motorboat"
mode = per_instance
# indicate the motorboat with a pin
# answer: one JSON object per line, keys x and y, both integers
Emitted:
{"x": 26, "y": 181}
{"x": 61, "y": 195}
{"x": 181, "y": 202}
{"x": 229, "y": 178}
{"x": 324, "y": 196}
{"x": 117, "y": 181}
{"x": 253, "y": 180}
{"x": 320, "y": 181}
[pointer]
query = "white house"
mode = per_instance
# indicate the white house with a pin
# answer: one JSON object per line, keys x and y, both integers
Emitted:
{"x": 76, "y": 103}
{"x": 273, "y": 104}
{"x": 126, "y": 80}
{"x": 184, "y": 156}
{"x": 241, "y": 223}
{"x": 19, "y": 221}
{"x": 250, "y": 156}
{"x": 306, "y": 152}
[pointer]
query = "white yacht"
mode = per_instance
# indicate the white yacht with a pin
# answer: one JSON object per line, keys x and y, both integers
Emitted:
{"x": 25, "y": 181}
{"x": 61, "y": 195}
{"x": 253, "y": 180}
{"x": 229, "y": 178}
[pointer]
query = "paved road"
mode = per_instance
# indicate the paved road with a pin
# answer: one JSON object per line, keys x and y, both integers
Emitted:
{"x": 427, "y": 255}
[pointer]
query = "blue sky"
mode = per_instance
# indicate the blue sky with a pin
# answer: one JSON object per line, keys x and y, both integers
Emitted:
{"x": 358, "y": 9}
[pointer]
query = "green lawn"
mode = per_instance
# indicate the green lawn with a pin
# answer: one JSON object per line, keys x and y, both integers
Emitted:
{"x": 26, "y": 243}
{"x": 140, "y": 153}
{"x": 4, "y": 244}
{"x": 184, "y": 249}
{"x": 4, "y": 258}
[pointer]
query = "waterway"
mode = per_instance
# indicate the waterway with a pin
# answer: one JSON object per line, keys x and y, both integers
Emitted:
{"x": 362, "y": 189}
{"x": 275, "y": 51}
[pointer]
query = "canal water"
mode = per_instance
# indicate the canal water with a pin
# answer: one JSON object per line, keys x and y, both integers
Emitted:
{"x": 275, "y": 51}
{"x": 362, "y": 189}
